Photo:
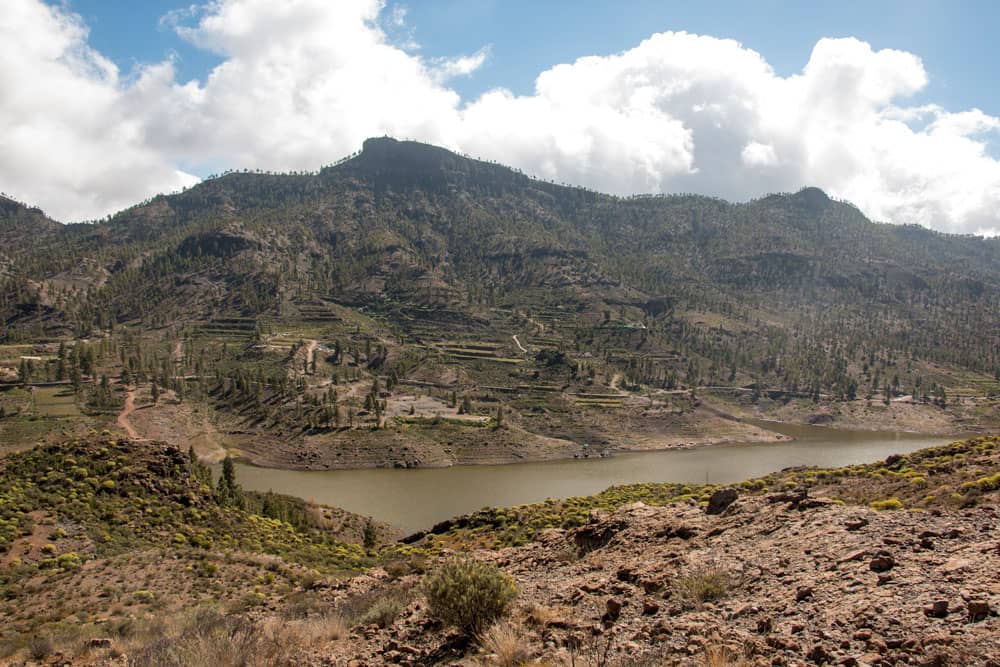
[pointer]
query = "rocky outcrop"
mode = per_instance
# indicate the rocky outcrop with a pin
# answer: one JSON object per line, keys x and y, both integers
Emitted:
{"x": 774, "y": 580}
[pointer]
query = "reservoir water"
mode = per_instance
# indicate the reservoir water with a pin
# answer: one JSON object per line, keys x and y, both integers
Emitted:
{"x": 412, "y": 500}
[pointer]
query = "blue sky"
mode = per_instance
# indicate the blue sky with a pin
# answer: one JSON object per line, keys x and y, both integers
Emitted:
{"x": 889, "y": 105}
{"x": 957, "y": 41}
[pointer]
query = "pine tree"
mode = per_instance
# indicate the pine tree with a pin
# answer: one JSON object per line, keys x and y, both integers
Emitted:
{"x": 227, "y": 491}
{"x": 369, "y": 534}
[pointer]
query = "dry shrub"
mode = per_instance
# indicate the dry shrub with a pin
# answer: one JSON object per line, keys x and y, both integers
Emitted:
{"x": 208, "y": 639}
{"x": 380, "y": 606}
{"x": 539, "y": 616}
{"x": 307, "y": 633}
{"x": 602, "y": 651}
{"x": 566, "y": 554}
{"x": 303, "y": 604}
{"x": 383, "y": 611}
{"x": 58, "y": 639}
{"x": 720, "y": 655}
{"x": 508, "y": 643}
{"x": 40, "y": 647}
{"x": 707, "y": 583}
{"x": 399, "y": 568}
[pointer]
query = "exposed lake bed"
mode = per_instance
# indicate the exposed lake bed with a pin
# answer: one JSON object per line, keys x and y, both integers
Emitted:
{"x": 413, "y": 500}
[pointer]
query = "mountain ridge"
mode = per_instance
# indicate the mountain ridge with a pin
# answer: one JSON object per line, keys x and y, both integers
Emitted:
{"x": 387, "y": 155}
{"x": 421, "y": 266}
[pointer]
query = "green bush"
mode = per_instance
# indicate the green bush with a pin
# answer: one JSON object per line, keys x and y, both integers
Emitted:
{"x": 469, "y": 594}
{"x": 69, "y": 560}
{"x": 384, "y": 611}
{"x": 991, "y": 483}
{"x": 143, "y": 596}
{"x": 888, "y": 504}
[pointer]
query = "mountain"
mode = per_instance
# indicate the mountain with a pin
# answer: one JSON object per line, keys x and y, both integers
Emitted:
{"x": 17, "y": 219}
{"x": 20, "y": 227}
{"x": 423, "y": 265}
{"x": 404, "y": 223}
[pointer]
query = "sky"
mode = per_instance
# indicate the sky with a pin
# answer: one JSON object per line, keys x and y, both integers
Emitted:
{"x": 890, "y": 105}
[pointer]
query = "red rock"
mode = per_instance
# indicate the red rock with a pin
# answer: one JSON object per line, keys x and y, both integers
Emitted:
{"x": 937, "y": 609}
{"x": 613, "y": 609}
{"x": 819, "y": 655}
{"x": 882, "y": 563}
{"x": 854, "y": 555}
{"x": 719, "y": 501}
{"x": 978, "y": 610}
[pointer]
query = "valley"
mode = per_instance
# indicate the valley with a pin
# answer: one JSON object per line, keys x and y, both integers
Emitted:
{"x": 411, "y": 307}
{"x": 286, "y": 419}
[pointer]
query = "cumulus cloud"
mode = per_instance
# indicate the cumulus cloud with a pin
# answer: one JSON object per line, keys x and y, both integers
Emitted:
{"x": 448, "y": 68}
{"x": 66, "y": 141}
{"x": 303, "y": 82}
{"x": 756, "y": 154}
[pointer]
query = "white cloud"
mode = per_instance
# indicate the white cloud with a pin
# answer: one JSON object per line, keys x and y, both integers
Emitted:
{"x": 66, "y": 142}
{"x": 756, "y": 154}
{"x": 448, "y": 68}
{"x": 303, "y": 82}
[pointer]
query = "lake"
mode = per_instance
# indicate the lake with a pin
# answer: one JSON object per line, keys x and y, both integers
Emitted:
{"x": 412, "y": 500}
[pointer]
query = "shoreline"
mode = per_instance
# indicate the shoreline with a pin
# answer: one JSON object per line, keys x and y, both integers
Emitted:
{"x": 713, "y": 422}
{"x": 242, "y": 457}
{"x": 415, "y": 499}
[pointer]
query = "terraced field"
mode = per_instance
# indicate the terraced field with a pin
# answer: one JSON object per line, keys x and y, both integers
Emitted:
{"x": 227, "y": 328}
{"x": 56, "y": 402}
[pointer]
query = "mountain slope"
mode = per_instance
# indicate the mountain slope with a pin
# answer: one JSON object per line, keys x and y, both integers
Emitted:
{"x": 421, "y": 265}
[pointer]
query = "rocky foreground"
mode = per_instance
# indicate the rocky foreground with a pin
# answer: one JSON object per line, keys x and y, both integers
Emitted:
{"x": 121, "y": 553}
{"x": 781, "y": 579}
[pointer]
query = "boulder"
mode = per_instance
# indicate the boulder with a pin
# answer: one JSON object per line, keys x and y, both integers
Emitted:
{"x": 612, "y": 610}
{"x": 978, "y": 610}
{"x": 720, "y": 500}
{"x": 937, "y": 609}
{"x": 882, "y": 563}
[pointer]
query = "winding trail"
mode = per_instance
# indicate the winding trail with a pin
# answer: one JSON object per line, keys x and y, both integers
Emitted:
{"x": 300, "y": 363}
{"x": 128, "y": 409}
{"x": 519, "y": 343}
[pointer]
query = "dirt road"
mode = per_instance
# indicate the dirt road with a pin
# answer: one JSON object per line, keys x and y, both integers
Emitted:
{"x": 128, "y": 409}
